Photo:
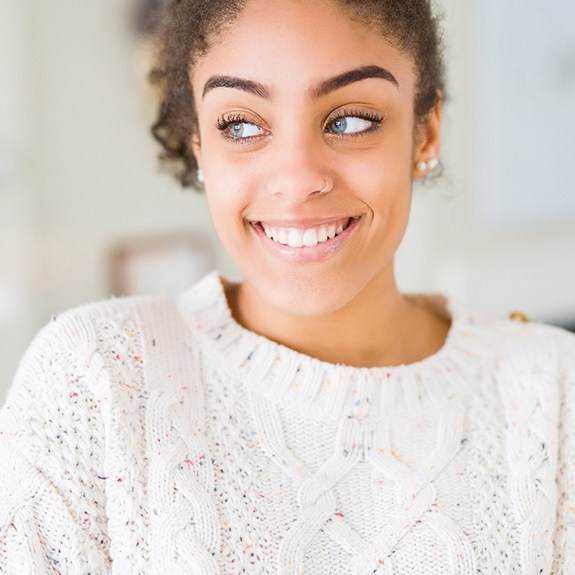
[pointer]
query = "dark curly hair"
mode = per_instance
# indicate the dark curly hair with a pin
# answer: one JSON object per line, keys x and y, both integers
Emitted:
{"x": 188, "y": 27}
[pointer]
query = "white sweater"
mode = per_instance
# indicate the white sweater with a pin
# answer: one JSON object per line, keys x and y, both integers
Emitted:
{"x": 156, "y": 435}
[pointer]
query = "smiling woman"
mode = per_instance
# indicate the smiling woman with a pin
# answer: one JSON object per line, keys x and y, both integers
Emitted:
{"x": 310, "y": 418}
{"x": 276, "y": 129}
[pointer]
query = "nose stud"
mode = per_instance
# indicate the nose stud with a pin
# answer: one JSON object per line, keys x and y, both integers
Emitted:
{"x": 327, "y": 187}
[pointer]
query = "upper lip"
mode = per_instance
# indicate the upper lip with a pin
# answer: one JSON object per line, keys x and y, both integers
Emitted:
{"x": 301, "y": 223}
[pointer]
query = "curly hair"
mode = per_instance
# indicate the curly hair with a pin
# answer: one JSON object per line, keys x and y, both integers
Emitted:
{"x": 189, "y": 27}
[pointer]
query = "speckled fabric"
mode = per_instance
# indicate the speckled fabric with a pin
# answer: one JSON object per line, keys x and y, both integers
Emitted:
{"x": 156, "y": 435}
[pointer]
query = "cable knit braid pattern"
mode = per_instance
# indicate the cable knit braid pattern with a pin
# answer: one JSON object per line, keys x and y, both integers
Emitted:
{"x": 156, "y": 435}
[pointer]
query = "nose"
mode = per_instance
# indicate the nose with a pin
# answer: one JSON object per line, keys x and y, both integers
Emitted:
{"x": 299, "y": 169}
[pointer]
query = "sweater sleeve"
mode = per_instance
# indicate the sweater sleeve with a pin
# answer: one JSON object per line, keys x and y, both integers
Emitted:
{"x": 52, "y": 496}
{"x": 564, "y": 563}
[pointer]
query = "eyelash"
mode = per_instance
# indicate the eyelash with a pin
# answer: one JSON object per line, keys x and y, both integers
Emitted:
{"x": 376, "y": 119}
{"x": 224, "y": 122}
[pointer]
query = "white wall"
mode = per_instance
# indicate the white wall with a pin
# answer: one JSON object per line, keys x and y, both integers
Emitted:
{"x": 18, "y": 309}
{"x": 96, "y": 161}
{"x": 450, "y": 247}
{"x": 75, "y": 116}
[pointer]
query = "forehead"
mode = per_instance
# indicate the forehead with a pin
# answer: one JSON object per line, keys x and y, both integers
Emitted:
{"x": 299, "y": 42}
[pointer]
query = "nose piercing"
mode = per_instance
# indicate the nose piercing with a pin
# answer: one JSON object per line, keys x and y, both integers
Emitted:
{"x": 326, "y": 188}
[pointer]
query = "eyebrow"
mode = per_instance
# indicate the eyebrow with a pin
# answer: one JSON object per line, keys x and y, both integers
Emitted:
{"x": 324, "y": 88}
{"x": 237, "y": 83}
{"x": 352, "y": 76}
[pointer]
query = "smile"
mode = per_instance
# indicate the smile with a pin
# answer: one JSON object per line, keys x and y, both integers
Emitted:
{"x": 299, "y": 237}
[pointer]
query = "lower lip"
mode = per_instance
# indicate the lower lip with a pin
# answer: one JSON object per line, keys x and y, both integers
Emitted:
{"x": 306, "y": 254}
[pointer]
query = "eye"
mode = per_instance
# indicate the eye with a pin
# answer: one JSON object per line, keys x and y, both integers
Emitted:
{"x": 349, "y": 125}
{"x": 237, "y": 127}
{"x": 244, "y": 130}
{"x": 352, "y": 123}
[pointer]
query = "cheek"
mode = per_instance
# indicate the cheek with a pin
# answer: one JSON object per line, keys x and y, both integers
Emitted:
{"x": 228, "y": 202}
{"x": 388, "y": 167}
{"x": 383, "y": 180}
{"x": 225, "y": 210}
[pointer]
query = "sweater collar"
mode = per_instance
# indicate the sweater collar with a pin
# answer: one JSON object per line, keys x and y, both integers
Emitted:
{"x": 321, "y": 389}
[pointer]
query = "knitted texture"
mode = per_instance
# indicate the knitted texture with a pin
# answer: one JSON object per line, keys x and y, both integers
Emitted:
{"x": 156, "y": 435}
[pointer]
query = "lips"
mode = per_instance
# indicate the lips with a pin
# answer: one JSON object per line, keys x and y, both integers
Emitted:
{"x": 305, "y": 236}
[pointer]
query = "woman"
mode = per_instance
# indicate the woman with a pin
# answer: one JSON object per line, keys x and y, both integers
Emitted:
{"x": 311, "y": 419}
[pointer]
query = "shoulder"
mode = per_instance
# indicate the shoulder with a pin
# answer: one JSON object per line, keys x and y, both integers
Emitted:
{"x": 77, "y": 356}
{"x": 81, "y": 377}
{"x": 518, "y": 341}
{"x": 70, "y": 340}
{"x": 524, "y": 360}
{"x": 88, "y": 327}
{"x": 105, "y": 344}
{"x": 531, "y": 367}
{"x": 543, "y": 344}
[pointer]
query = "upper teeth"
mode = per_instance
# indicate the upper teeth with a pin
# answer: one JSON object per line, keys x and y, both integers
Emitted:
{"x": 308, "y": 237}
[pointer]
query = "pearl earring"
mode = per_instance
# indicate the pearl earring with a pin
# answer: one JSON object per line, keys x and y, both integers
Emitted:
{"x": 430, "y": 165}
{"x": 200, "y": 176}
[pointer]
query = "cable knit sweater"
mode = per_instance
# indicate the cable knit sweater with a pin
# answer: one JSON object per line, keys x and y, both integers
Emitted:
{"x": 157, "y": 436}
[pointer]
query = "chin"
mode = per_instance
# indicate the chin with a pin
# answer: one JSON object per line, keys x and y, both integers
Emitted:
{"x": 300, "y": 297}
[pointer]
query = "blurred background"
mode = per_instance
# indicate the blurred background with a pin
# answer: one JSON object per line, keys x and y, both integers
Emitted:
{"x": 85, "y": 212}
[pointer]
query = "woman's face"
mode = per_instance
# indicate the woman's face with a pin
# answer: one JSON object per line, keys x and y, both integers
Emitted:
{"x": 293, "y": 96}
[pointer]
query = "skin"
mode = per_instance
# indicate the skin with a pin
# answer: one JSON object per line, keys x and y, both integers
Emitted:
{"x": 344, "y": 308}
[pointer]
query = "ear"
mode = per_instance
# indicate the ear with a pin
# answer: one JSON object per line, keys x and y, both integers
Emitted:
{"x": 197, "y": 148}
{"x": 428, "y": 139}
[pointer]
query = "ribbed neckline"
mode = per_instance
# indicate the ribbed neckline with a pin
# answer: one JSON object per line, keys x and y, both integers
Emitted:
{"x": 321, "y": 389}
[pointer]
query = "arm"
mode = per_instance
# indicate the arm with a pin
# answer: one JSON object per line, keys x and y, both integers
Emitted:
{"x": 52, "y": 502}
{"x": 564, "y": 557}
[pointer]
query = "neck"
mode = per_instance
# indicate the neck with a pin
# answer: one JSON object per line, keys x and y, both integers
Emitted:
{"x": 380, "y": 327}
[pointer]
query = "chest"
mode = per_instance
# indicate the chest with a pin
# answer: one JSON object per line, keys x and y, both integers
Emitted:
{"x": 466, "y": 487}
